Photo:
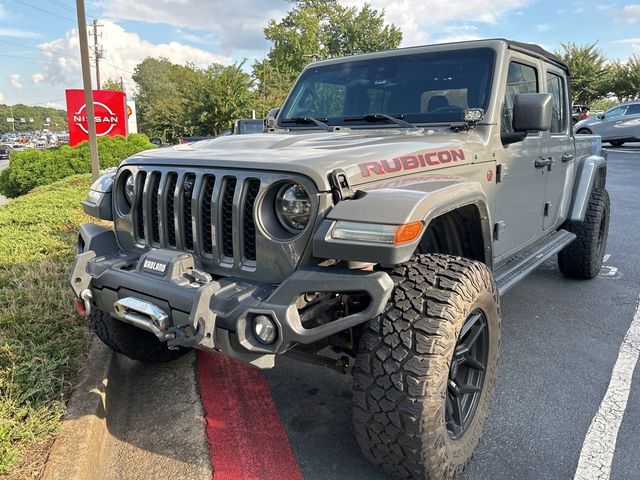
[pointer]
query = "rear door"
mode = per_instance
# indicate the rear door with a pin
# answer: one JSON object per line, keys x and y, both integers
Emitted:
{"x": 559, "y": 147}
{"x": 629, "y": 124}
{"x": 520, "y": 193}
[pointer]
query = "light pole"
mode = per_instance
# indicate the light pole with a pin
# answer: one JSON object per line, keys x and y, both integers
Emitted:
{"x": 88, "y": 94}
{"x": 13, "y": 120}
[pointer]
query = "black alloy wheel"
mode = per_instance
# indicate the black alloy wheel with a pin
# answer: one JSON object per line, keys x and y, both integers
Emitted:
{"x": 466, "y": 374}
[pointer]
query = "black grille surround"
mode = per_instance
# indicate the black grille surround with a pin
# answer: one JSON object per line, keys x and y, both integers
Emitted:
{"x": 220, "y": 216}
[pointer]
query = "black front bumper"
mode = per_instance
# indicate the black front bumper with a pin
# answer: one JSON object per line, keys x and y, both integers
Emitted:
{"x": 216, "y": 315}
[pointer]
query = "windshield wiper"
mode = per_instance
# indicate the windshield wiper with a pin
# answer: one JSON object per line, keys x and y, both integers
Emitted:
{"x": 372, "y": 117}
{"x": 319, "y": 123}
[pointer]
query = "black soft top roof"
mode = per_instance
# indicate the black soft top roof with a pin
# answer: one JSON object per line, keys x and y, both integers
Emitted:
{"x": 537, "y": 51}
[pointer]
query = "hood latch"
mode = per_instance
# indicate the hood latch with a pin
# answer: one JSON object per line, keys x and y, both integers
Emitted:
{"x": 340, "y": 186}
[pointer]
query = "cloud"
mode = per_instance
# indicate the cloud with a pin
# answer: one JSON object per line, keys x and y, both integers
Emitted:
{"x": 36, "y": 78}
{"x": 630, "y": 13}
{"x": 123, "y": 51}
{"x": 1, "y": 97}
{"x": 634, "y": 42}
{"x": 14, "y": 80}
{"x": 236, "y": 28}
{"x": 543, "y": 27}
{"x": 421, "y": 21}
{"x": 16, "y": 33}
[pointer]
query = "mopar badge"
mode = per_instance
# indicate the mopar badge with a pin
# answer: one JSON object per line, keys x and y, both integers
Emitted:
{"x": 153, "y": 266}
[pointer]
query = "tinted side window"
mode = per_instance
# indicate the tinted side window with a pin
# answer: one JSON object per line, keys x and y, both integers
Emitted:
{"x": 520, "y": 79}
{"x": 633, "y": 109}
{"x": 555, "y": 86}
{"x": 616, "y": 112}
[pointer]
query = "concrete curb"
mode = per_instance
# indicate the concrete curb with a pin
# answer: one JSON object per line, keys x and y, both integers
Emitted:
{"x": 78, "y": 447}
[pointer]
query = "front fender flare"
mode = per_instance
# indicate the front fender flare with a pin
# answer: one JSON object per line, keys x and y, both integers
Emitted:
{"x": 395, "y": 206}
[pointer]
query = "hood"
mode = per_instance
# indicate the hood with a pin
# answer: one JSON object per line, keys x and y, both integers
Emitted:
{"x": 365, "y": 155}
{"x": 586, "y": 122}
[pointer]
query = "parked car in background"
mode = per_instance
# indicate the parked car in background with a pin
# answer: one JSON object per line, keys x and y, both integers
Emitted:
{"x": 579, "y": 112}
{"x": 4, "y": 152}
{"x": 616, "y": 126}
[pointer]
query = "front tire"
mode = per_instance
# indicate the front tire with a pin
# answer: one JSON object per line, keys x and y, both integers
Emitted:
{"x": 583, "y": 257}
{"x": 426, "y": 368}
{"x": 130, "y": 341}
{"x": 583, "y": 131}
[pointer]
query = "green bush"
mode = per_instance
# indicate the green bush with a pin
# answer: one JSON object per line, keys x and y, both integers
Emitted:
{"x": 32, "y": 168}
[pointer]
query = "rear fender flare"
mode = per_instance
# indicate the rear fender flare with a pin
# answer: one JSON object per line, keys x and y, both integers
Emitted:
{"x": 591, "y": 174}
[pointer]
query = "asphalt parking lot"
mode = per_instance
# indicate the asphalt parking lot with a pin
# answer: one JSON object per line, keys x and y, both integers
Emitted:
{"x": 560, "y": 341}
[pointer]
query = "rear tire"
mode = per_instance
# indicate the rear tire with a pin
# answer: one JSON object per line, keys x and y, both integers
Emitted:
{"x": 616, "y": 143}
{"x": 404, "y": 402}
{"x": 583, "y": 257}
{"x": 130, "y": 341}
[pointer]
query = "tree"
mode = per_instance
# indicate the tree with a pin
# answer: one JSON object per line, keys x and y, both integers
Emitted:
{"x": 633, "y": 78}
{"x": 315, "y": 30}
{"x": 588, "y": 69}
{"x": 112, "y": 84}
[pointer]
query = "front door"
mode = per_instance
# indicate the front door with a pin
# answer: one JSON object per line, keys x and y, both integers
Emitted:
{"x": 520, "y": 193}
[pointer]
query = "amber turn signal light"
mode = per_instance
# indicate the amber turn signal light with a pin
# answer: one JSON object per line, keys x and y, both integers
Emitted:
{"x": 408, "y": 233}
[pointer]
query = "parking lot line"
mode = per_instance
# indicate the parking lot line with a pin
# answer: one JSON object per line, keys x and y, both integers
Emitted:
{"x": 247, "y": 440}
{"x": 599, "y": 445}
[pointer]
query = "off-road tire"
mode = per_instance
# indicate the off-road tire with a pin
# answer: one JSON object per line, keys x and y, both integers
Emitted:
{"x": 583, "y": 257}
{"x": 616, "y": 143}
{"x": 130, "y": 341}
{"x": 402, "y": 367}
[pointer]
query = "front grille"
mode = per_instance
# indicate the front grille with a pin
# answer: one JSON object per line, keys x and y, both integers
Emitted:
{"x": 198, "y": 213}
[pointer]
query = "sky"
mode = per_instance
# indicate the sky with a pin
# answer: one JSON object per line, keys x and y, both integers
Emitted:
{"x": 39, "y": 49}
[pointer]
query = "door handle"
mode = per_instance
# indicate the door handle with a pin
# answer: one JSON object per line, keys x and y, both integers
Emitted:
{"x": 544, "y": 162}
{"x": 567, "y": 157}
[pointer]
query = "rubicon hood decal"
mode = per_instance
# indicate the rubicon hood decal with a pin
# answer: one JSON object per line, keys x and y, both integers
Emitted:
{"x": 425, "y": 159}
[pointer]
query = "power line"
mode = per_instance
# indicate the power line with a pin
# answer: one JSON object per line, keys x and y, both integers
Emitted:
{"x": 44, "y": 11}
{"x": 59, "y": 53}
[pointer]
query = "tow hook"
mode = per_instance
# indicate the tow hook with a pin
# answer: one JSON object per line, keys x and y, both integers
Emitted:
{"x": 83, "y": 303}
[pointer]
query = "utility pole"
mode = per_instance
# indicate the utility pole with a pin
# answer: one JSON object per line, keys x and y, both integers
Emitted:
{"x": 121, "y": 84}
{"x": 98, "y": 52}
{"x": 13, "y": 120}
{"x": 88, "y": 94}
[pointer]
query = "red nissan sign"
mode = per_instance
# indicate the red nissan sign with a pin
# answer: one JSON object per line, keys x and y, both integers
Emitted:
{"x": 110, "y": 114}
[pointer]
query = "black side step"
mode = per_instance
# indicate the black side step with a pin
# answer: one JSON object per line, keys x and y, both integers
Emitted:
{"x": 518, "y": 268}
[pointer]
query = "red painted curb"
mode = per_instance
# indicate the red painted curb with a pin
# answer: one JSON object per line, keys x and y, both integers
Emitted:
{"x": 247, "y": 440}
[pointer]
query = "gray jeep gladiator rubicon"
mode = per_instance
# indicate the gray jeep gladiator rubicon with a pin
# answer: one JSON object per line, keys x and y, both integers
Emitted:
{"x": 371, "y": 228}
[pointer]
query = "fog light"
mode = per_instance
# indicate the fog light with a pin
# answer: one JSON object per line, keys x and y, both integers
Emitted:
{"x": 264, "y": 329}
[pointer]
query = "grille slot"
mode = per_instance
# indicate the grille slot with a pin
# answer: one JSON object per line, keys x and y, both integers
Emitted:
{"x": 206, "y": 213}
{"x": 187, "y": 194}
{"x": 139, "y": 201}
{"x": 155, "y": 220}
{"x": 170, "y": 217}
{"x": 248, "y": 220}
{"x": 226, "y": 217}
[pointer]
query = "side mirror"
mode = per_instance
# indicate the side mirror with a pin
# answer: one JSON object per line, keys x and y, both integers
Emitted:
{"x": 532, "y": 112}
{"x": 270, "y": 121}
{"x": 600, "y": 116}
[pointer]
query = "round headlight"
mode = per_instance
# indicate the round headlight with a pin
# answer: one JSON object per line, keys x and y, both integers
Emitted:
{"x": 293, "y": 207}
{"x": 130, "y": 189}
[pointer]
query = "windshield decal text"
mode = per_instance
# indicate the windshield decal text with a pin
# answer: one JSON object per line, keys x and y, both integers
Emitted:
{"x": 410, "y": 162}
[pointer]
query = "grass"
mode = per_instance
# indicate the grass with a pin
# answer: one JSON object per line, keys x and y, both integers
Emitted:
{"x": 42, "y": 342}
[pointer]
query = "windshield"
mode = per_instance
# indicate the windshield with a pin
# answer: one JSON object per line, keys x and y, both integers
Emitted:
{"x": 419, "y": 88}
